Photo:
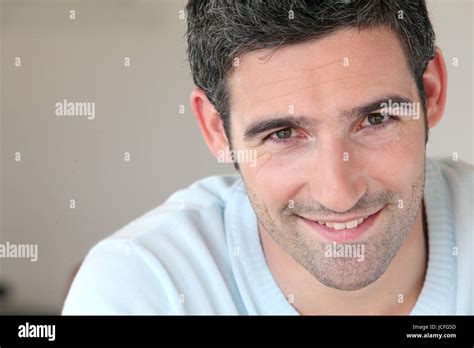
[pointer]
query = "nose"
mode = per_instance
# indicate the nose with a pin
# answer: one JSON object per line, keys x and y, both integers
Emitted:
{"x": 337, "y": 181}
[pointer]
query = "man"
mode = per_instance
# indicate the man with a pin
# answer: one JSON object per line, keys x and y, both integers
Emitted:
{"x": 324, "y": 107}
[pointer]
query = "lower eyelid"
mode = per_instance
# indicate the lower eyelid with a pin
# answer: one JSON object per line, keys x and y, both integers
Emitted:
{"x": 276, "y": 140}
{"x": 389, "y": 121}
{"x": 281, "y": 141}
{"x": 279, "y": 130}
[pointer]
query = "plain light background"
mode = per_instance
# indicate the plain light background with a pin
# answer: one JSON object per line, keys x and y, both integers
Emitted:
{"x": 137, "y": 111}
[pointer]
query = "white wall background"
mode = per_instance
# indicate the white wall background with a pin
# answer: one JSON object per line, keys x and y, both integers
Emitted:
{"x": 453, "y": 24}
{"x": 137, "y": 111}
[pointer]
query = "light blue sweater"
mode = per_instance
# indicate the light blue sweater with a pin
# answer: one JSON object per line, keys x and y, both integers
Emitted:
{"x": 200, "y": 253}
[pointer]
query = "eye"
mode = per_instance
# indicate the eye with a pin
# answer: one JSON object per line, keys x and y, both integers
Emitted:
{"x": 281, "y": 135}
{"x": 376, "y": 121}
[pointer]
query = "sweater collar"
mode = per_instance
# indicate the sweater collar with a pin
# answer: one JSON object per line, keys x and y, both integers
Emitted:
{"x": 439, "y": 289}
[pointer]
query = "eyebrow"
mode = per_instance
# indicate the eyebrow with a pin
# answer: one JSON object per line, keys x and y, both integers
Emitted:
{"x": 301, "y": 121}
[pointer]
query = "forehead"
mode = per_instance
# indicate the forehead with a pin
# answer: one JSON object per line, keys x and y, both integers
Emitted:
{"x": 347, "y": 67}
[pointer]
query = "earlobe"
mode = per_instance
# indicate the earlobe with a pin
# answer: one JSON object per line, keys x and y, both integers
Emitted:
{"x": 209, "y": 122}
{"x": 435, "y": 81}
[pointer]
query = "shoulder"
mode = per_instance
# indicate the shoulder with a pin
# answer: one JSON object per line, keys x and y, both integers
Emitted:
{"x": 458, "y": 177}
{"x": 144, "y": 267}
{"x": 187, "y": 208}
{"x": 456, "y": 173}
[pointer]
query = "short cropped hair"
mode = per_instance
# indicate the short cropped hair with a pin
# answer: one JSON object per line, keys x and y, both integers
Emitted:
{"x": 221, "y": 30}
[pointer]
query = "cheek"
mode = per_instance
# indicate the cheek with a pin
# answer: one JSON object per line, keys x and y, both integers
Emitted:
{"x": 274, "y": 183}
{"x": 396, "y": 165}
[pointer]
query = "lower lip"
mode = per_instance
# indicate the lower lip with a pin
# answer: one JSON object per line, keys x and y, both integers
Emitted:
{"x": 346, "y": 234}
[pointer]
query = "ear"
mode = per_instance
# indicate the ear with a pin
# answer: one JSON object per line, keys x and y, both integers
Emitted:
{"x": 209, "y": 121}
{"x": 435, "y": 82}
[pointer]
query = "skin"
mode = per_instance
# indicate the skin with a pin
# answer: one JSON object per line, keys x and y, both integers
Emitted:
{"x": 334, "y": 167}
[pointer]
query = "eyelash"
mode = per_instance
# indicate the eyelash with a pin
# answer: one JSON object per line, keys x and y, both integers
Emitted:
{"x": 372, "y": 128}
{"x": 279, "y": 141}
{"x": 378, "y": 127}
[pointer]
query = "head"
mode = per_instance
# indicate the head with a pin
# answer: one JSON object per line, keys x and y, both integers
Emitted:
{"x": 335, "y": 100}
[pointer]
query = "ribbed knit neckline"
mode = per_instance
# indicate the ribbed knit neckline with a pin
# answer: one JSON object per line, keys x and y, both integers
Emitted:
{"x": 438, "y": 295}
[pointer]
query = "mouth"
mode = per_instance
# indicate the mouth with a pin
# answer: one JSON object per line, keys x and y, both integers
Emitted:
{"x": 343, "y": 230}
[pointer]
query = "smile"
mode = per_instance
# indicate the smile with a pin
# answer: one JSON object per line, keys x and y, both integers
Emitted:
{"x": 342, "y": 229}
{"x": 343, "y": 225}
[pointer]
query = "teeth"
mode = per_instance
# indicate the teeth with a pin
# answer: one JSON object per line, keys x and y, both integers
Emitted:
{"x": 342, "y": 225}
{"x": 352, "y": 224}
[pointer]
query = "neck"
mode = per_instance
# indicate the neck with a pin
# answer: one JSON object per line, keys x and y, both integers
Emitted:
{"x": 395, "y": 292}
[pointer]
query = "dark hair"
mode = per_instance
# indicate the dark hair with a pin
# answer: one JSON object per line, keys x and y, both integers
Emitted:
{"x": 221, "y": 30}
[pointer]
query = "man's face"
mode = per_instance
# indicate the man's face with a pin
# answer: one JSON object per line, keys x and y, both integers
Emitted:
{"x": 331, "y": 154}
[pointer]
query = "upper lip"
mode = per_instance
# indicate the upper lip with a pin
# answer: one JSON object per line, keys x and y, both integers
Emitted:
{"x": 343, "y": 219}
